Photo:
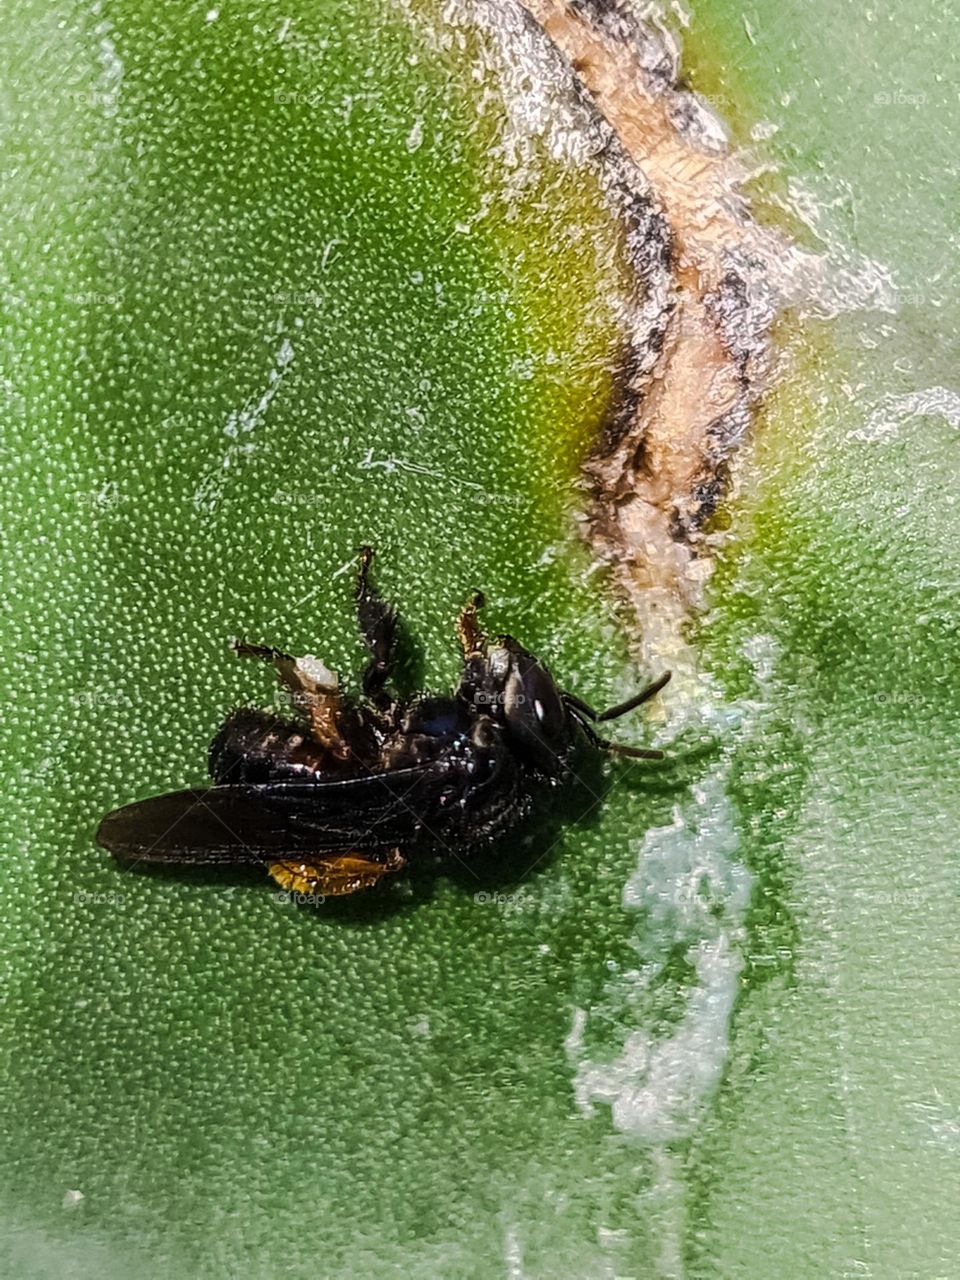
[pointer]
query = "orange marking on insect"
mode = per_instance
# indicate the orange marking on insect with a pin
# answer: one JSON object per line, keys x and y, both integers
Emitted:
{"x": 335, "y": 875}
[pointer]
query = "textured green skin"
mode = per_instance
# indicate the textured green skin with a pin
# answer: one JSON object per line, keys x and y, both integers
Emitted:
{"x": 833, "y": 1147}
{"x": 235, "y": 1084}
{"x": 242, "y": 1087}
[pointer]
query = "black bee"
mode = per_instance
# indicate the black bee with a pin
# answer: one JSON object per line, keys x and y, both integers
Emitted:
{"x": 353, "y": 789}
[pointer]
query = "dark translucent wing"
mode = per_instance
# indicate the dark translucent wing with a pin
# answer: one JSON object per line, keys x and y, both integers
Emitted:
{"x": 219, "y": 824}
{"x": 235, "y": 824}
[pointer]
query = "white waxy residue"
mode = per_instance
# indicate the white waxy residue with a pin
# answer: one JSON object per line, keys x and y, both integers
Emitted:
{"x": 252, "y": 413}
{"x": 316, "y": 672}
{"x": 889, "y": 416}
{"x": 837, "y": 280}
{"x": 688, "y": 890}
{"x": 513, "y": 1254}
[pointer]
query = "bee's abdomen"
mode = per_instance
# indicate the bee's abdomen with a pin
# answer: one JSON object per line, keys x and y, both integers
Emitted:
{"x": 256, "y": 746}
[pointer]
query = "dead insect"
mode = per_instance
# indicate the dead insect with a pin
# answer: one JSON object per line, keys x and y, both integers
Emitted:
{"x": 355, "y": 788}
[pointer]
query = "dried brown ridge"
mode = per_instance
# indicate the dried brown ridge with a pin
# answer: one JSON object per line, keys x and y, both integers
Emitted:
{"x": 662, "y": 465}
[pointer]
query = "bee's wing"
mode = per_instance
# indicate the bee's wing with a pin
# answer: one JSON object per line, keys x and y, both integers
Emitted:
{"x": 236, "y": 824}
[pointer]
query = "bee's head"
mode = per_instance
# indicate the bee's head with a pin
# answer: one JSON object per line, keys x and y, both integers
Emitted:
{"x": 518, "y": 690}
{"x": 539, "y": 720}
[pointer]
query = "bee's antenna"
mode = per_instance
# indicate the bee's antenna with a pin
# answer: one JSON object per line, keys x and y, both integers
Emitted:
{"x": 635, "y": 753}
{"x": 621, "y": 709}
{"x": 604, "y": 744}
{"x": 583, "y": 713}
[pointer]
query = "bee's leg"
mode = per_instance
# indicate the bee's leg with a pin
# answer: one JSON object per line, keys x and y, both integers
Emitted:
{"x": 473, "y": 645}
{"x": 378, "y": 626}
{"x": 305, "y": 677}
{"x": 283, "y": 663}
{"x": 471, "y": 637}
{"x": 313, "y": 688}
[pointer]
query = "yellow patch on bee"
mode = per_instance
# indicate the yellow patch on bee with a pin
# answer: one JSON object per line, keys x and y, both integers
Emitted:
{"x": 336, "y": 874}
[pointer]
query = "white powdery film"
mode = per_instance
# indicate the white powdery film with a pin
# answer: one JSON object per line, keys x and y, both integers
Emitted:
{"x": 825, "y": 285}
{"x": 529, "y": 79}
{"x": 688, "y": 889}
{"x": 890, "y": 415}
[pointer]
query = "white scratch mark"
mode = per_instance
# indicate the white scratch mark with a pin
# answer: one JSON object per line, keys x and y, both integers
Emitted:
{"x": 242, "y": 423}
{"x": 415, "y": 136}
{"x": 329, "y": 252}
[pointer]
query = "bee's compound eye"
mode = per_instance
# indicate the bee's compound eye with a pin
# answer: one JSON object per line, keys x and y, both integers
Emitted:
{"x": 535, "y": 714}
{"x": 543, "y": 701}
